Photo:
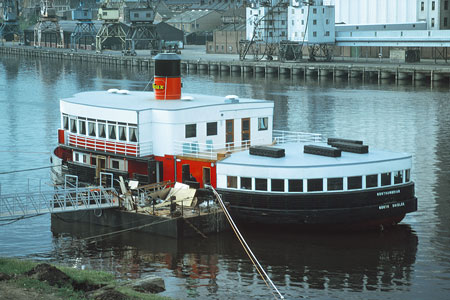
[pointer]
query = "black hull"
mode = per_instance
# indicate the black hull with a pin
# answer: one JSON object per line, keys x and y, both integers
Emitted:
{"x": 346, "y": 210}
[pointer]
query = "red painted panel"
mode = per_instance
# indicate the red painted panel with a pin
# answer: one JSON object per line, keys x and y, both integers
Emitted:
{"x": 137, "y": 167}
{"x": 196, "y": 168}
{"x": 61, "y": 136}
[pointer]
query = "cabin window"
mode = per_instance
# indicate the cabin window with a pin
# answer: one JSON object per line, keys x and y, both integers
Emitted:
{"x": 132, "y": 134}
{"x": 115, "y": 164}
{"x": 112, "y": 132}
{"x": 371, "y": 181}
{"x": 315, "y": 185}
{"x": 66, "y": 122}
{"x": 91, "y": 128}
{"x": 190, "y": 130}
{"x": 385, "y": 179}
{"x": 122, "y": 133}
{"x": 314, "y": 10}
{"x": 263, "y": 123}
{"x": 77, "y": 157}
{"x": 246, "y": 183}
{"x": 73, "y": 126}
{"x": 261, "y": 184}
{"x": 354, "y": 182}
{"x": 398, "y": 177}
{"x": 295, "y": 185}
{"x": 211, "y": 128}
{"x": 82, "y": 126}
{"x": 232, "y": 182}
{"x": 102, "y": 130}
{"x": 277, "y": 185}
{"x": 407, "y": 175}
{"x": 335, "y": 184}
{"x": 93, "y": 160}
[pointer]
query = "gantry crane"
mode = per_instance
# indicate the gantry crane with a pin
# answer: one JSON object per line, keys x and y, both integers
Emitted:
{"x": 48, "y": 23}
{"x": 9, "y": 19}
{"x": 142, "y": 31}
{"x": 85, "y": 27}
{"x": 111, "y": 28}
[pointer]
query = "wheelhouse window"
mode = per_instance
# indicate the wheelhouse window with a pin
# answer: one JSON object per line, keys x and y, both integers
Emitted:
{"x": 385, "y": 179}
{"x": 246, "y": 183}
{"x": 82, "y": 126}
{"x": 132, "y": 134}
{"x": 73, "y": 125}
{"x": 277, "y": 185}
{"x": 354, "y": 182}
{"x": 211, "y": 128}
{"x": 102, "y": 130}
{"x": 232, "y": 182}
{"x": 335, "y": 184}
{"x": 190, "y": 130}
{"x": 261, "y": 184}
{"x": 315, "y": 185}
{"x": 91, "y": 128}
{"x": 295, "y": 185}
{"x": 66, "y": 122}
{"x": 371, "y": 181}
{"x": 407, "y": 175}
{"x": 112, "y": 132}
{"x": 398, "y": 177}
{"x": 122, "y": 133}
{"x": 263, "y": 123}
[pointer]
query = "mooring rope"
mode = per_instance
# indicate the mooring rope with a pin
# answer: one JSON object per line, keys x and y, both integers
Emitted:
{"x": 247, "y": 249}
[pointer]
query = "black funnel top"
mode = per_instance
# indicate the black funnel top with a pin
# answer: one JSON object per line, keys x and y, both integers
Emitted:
{"x": 167, "y": 65}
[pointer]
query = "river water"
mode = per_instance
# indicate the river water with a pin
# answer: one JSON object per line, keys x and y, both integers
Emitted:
{"x": 411, "y": 261}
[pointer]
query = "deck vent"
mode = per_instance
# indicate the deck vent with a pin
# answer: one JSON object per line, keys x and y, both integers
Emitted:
{"x": 351, "y": 147}
{"x": 123, "y": 92}
{"x": 321, "y": 150}
{"x": 187, "y": 98}
{"x": 267, "y": 151}
{"x": 113, "y": 91}
{"x": 231, "y": 99}
{"x": 337, "y": 140}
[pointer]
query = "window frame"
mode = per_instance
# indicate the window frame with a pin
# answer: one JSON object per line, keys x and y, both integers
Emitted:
{"x": 190, "y": 131}
{"x": 211, "y": 128}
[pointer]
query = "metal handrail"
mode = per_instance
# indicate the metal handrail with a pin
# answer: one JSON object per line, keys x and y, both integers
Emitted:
{"x": 283, "y": 137}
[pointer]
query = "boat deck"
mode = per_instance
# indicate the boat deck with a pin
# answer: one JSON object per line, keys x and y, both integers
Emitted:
{"x": 296, "y": 158}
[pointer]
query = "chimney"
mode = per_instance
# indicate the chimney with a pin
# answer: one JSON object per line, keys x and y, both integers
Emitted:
{"x": 167, "y": 79}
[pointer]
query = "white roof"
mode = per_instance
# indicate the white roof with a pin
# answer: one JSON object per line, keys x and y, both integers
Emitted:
{"x": 296, "y": 158}
{"x": 139, "y": 101}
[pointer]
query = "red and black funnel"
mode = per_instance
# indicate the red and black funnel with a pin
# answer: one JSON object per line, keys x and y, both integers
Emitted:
{"x": 167, "y": 79}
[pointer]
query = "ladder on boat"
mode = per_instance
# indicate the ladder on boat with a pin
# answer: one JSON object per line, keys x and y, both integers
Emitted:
{"x": 70, "y": 197}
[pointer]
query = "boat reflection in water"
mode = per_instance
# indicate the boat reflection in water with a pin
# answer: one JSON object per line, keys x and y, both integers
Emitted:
{"x": 300, "y": 264}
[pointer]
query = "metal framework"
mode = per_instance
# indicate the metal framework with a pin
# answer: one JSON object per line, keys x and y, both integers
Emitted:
{"x": 71, "y": 197}
{"x": 142, "y": 31}
{"x": 48, "y": 23}
{"x": 85, "y": 27}
{"x": 111, "y": 28}
{"x": 10, "y": 24}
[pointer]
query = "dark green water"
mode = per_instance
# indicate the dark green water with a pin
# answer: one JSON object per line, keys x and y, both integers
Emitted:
{"x": 411, "y": 261}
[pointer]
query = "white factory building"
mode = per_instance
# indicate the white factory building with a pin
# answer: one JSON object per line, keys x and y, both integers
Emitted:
{"x": 436, "y": 13}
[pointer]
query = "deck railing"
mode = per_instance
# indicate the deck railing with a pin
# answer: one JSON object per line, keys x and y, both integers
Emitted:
{"x": 133, "y": 149}
{"x": 283, "y": 137}
{"x": 216, "y": 151}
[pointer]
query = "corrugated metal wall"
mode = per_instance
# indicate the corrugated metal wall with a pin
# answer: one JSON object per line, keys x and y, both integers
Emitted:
{"x": 375, "y": 11}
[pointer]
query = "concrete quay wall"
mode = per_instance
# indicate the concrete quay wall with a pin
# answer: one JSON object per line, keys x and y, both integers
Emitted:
{"x": 381, "y": 70}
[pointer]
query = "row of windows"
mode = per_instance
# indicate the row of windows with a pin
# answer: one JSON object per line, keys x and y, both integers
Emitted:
{"x": 211, "y": 128}
{"x": 92, "y": 161}
{"x": 101, "y": 129}
{"x": 318, "y": 184}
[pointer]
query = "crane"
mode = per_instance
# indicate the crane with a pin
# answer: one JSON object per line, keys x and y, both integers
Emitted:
{"x": 142, "y": 30}
{"x": 48, "y": 23}
{"x": 10, "y": 19}
{"x": 85, "y": 27}
{"x": 109, "y": 13}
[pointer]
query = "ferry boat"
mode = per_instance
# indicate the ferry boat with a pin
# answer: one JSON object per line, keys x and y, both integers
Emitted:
{"x": 266, "y": 176}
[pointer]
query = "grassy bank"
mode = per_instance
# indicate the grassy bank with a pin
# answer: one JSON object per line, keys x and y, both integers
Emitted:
{"x": 20, "y": 285}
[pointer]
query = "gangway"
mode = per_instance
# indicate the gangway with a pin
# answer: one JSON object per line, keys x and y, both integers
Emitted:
{"x": 61, "y": 199}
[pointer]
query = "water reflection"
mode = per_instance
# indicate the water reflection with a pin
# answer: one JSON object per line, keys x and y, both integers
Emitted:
{"x": 296, "y": 262}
